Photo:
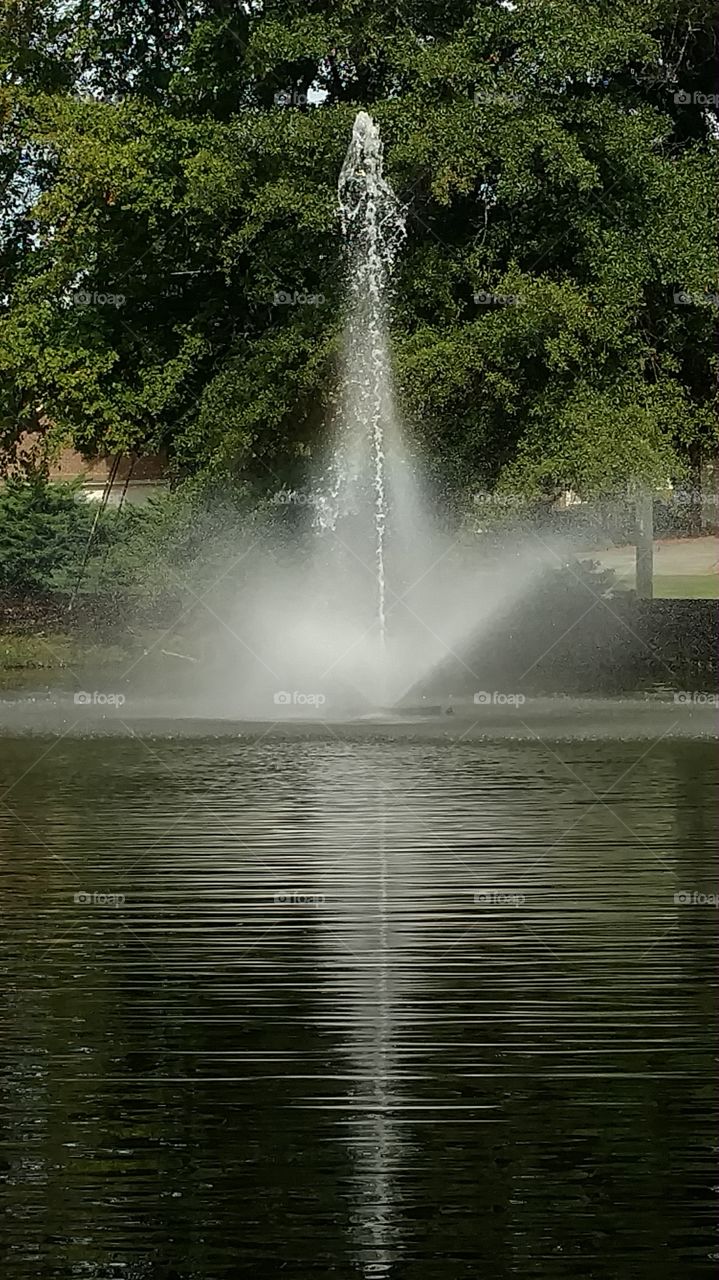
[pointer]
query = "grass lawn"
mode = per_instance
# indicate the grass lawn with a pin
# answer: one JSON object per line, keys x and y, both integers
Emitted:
{"x": 58, "y": 651}
{"x": 54, "y": 651}
{"x": 687, "y": 587}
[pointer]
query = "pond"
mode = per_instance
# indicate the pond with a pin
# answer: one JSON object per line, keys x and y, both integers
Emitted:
{"x": 357, "y": 1005}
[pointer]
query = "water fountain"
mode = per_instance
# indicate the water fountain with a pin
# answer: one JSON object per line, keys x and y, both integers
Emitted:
{"x": 392, "y": 594}
{"x": 349, "y": 620}
{"x": 373, "y": 226}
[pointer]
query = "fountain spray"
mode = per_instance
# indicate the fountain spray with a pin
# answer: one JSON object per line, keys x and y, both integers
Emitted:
{"x": 373, "y": 226}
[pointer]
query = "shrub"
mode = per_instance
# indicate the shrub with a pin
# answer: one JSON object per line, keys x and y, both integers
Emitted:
{"x": 43, "y": 531}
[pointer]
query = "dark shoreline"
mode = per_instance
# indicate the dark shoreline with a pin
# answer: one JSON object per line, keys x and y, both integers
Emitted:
{"x": 561, "y": 717}
{"x": 581, "y": 644}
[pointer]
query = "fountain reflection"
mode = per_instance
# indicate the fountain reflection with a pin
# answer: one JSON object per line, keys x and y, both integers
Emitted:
{"x": 367, "y": 989}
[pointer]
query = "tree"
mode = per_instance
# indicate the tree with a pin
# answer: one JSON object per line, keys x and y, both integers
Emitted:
{"x": 43, "y": 533}
{"x": 559, "y": 191}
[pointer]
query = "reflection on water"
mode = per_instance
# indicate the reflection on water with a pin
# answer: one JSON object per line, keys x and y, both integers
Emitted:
{"x": 377, "y": 1008}
{"x": 363, "y": 982}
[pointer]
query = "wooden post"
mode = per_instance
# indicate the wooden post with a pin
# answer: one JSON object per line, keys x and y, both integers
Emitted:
{"x": 645, "y": 545}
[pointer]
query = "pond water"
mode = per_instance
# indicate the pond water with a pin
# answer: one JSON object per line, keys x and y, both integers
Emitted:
{"x": 357, "y": 1006}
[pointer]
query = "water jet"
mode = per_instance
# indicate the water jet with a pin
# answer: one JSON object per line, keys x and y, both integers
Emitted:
{"x": 377, "y": 592}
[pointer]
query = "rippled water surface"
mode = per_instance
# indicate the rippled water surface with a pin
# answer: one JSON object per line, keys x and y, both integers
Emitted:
{"x": 288, "y": 1008}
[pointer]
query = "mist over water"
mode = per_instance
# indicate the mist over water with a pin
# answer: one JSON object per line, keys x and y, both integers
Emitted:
{"x": 349, "y": 601}
{"x": 373, "y": 592}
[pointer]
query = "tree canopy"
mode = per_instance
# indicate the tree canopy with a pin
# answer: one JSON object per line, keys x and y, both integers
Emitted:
{"x": 169, "y": 181}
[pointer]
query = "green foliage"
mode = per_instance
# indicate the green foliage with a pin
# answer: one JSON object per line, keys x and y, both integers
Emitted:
{"x": 53, "y": 541}
{"x": 174, "y": 546}
{"x": 541, "y": 153}
{"x": 43, "y": 534}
